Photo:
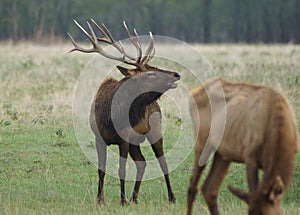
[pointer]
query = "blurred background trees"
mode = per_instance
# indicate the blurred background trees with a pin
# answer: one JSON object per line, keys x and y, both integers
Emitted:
{"x": 268, "y": 21}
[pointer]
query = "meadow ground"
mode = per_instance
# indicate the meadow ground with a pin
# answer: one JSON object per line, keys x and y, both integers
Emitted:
{"x": 42, "y": 167}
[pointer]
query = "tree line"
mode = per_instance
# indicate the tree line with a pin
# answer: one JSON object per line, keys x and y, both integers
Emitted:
{"x": 252, "y": 21}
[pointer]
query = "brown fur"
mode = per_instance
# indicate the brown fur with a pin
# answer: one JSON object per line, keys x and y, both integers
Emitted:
{"x": 134, "y": 120}
{"x": 141, "y": 109}
{"x": 260, "y": 131}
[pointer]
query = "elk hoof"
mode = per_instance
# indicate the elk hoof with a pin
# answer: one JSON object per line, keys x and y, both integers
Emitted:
{"x": 123, "y": 202}
{"x": 172, "y": 198}
{"x": 100, "y": 199}
{"x": 134, "y": 200}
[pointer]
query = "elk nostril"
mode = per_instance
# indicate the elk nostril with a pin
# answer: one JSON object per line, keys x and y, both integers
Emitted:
{"x": 177, "y": 75}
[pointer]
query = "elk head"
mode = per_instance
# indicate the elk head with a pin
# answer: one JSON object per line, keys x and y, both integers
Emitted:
{"x": 265, "y": 201}
{"x": 140, "y": 62}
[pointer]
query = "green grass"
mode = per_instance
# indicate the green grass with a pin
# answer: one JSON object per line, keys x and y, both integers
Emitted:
{"x": 42, "y": 167}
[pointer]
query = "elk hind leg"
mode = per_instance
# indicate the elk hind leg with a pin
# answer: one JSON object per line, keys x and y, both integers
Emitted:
{"x": 101, "y": 151}
{"x": 140, "y": 162}
{"x": 123, "y": 151}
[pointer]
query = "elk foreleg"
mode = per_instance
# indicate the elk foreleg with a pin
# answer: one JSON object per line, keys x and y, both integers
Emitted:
{"x": 252, "y": 175}
{"x": 101, "y": 151}
{"x": 123, "y": 151}
{"x": 140, "y": 162}
{"x": 213, "y": 181}
{"x": 157, "y": 147}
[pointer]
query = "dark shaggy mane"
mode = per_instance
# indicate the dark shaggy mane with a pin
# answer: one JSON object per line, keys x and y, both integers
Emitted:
{"x": 104, "y": 99}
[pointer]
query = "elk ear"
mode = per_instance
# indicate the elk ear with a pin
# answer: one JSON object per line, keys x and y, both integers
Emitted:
{"x": 240, "y": 194}
{"x": 125, "y": 71}
{"x": 277, "y": 190}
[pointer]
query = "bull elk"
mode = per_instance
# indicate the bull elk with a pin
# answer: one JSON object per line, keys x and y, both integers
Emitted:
{"x": 152, "y": 82}
{"x": 260, "y": 131}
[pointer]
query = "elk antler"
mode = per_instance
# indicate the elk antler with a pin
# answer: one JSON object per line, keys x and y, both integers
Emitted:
{"x": 139, "y": 61}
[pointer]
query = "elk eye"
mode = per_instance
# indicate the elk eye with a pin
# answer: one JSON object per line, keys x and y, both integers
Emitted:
{"x": 151, "y": 75}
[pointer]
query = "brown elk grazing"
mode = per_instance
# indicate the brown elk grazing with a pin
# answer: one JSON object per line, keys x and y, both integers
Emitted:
{"x": 260, "y": 131}
{"x": 151, "y": 82}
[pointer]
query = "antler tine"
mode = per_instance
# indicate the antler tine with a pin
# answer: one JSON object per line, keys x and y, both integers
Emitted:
{"x": 93, "y": 36}
{"x": 150, "y": 51}
{"x": 137, "y": 36}
{"x": 108, "y": 38}
{"x": 108, "y": 34}
{"x": 84, "y": 31}
{"x": 94, "y": 40}
{"x": 74, "y": 43}
{"x": 151, "y": 55}
{"x": 76, "y": 46}
{"x": 151, "y": 45}
{"x": 135, "y": 42}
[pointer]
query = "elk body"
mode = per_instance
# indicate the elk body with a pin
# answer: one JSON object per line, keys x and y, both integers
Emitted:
{"x": 260, "y": 131}
{"x": 112, "y": 107}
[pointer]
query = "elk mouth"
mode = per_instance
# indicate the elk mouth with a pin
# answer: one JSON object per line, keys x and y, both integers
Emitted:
{"x": 172, "y": 85}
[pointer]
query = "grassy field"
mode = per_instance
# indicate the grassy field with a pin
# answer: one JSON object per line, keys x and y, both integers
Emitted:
{"x": 42, "y": 167}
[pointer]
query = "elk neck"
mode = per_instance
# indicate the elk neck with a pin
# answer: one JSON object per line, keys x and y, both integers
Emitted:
{"x": 137, "y": 108}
